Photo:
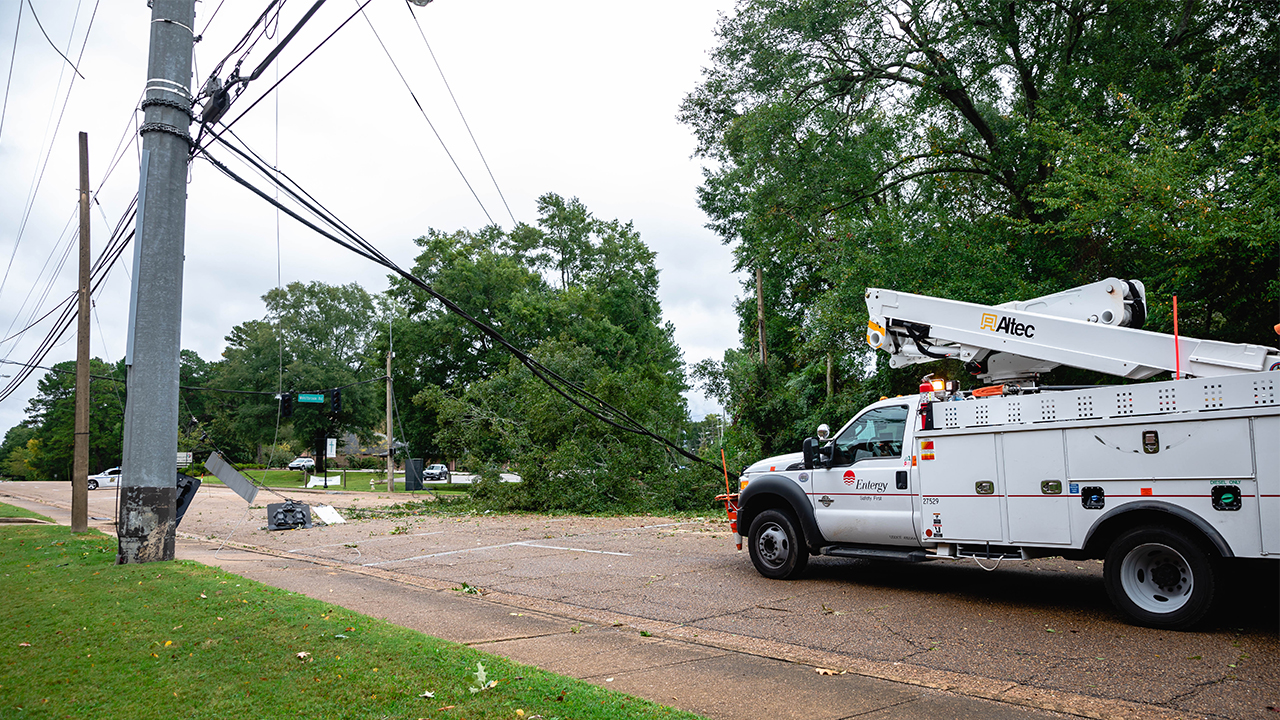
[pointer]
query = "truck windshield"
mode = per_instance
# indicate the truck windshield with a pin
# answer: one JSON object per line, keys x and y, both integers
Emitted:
{"x": 876, "y": 433}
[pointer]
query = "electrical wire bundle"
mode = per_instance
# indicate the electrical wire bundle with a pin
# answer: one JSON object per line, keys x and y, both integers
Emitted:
{"x": 115, "y": 247}
{"x": 331, "y": 227}
{"x": 219, "y": 97}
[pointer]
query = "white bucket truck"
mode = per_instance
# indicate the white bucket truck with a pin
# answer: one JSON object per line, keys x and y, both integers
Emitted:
{"x": 1161, "y": 480}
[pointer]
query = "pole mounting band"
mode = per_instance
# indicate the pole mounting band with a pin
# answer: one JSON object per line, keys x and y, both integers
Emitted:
{"x": 167, "y": 128}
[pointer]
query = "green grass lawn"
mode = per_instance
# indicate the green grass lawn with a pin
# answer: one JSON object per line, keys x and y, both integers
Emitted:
{"x": 83, "y": 637}
{"x": 14, "y": 511}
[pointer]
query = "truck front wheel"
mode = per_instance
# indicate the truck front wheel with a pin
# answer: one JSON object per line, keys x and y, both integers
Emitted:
{"x": 1159, "y": 578}
{"x": 777, "y": 547}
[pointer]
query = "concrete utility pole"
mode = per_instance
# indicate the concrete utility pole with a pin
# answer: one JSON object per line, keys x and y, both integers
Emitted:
{"x": 148, "y": 475}
{"x": 80, "y": 466}
{"x": 391, "y": 452}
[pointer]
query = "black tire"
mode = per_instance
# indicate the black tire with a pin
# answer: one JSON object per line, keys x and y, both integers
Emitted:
{"x": 777, "y": 546}
{"x": 93, "y": 484}
{"x": 1158, "y": 577}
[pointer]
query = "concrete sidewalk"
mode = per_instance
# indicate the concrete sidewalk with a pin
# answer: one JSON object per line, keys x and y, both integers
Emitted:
{"x": 711, "y": 681}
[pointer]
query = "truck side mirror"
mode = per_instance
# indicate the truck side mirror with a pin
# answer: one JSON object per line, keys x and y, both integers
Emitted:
{"x": 809, "y": 447}
{"x": 824, "y": 432}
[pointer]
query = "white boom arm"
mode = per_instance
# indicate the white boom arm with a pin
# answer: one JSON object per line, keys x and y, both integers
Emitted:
{"x": 1081, "y": 328}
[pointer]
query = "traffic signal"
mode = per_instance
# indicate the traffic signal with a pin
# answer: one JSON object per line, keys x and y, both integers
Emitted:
{"x": 286, "y": 404}
{"x": 337, "y": 401}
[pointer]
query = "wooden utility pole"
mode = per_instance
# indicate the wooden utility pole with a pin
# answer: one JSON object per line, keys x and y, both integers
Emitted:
{"x": 764, "y": 356}
{"x": 80, "y": 466}
{"x": 391, "y": 446}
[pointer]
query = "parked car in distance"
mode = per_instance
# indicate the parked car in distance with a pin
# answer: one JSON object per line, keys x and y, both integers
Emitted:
{"x": 106, "y": 478}
{"x": 436, "y": 473}
{"x": 303, "y": 463}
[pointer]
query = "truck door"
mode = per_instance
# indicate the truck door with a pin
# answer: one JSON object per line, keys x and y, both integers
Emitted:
{"x": 865, "y": 496}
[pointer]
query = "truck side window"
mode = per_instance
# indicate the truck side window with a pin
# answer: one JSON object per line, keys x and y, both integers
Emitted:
{"x": 875, "y": 434}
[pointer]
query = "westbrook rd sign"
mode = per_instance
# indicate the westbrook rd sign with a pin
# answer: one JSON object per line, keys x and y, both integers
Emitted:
{"x": 311, "y": 397}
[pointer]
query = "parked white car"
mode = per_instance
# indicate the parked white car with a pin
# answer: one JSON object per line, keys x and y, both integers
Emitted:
{"x": 303, "y": 463}
{"x": 108, "y": 478}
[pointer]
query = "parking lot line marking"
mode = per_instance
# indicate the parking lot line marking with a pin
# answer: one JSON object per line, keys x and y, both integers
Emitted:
{"x": 367, "y": 540}
{"x": 446, "y": 552}
{"x": 525, "y": 543}
{"x": 557, "y": 547}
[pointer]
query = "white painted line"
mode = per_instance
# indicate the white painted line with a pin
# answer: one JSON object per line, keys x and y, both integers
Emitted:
{"x": 525, "y": 543}
{"x": 447, "y": 552}
{"x": 555, "y": 547}
{"x": 368, "y": 540}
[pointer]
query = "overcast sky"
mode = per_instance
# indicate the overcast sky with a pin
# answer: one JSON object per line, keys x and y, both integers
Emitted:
{"x": 573, "y": 97}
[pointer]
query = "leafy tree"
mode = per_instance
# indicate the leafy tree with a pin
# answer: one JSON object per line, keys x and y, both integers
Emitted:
{"x": 596, "y": 321}
{"x": 312, "y": 340}
{"x": 14, "y": 452}
{"x": 51, "y": 414}
{"x": 982, "y": 151}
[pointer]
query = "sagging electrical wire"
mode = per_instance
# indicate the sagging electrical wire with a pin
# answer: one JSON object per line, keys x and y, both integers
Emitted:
{"x": 432, "y": 125}
{"x": 197, "y": 387}
{"x": 235, "y": 82}
{"x": 35, "y": 188}
{"x": 99, "y": 271}
{"x": 572, "y": 392}
{"x": 465, "y": 124}
{"x": 213, "y": 87}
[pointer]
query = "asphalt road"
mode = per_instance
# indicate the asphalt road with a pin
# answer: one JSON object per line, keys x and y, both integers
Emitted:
{"x": 1042, "y": 626}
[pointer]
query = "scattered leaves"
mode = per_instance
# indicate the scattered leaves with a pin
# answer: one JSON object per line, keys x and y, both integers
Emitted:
{"x": 483, "y": 679}
{"x": 825, "y": 671}
{"x": 304, "y": 655}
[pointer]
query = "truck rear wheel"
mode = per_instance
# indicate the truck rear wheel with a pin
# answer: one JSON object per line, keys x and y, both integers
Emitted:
{"x": 777, "y": 547}
{"x": 1160, "y": 578}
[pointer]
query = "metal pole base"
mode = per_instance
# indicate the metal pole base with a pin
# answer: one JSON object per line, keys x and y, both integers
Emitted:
{"x": 147, "y": 524}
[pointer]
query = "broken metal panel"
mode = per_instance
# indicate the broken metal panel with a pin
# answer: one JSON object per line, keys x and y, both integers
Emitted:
{"x": 231, "y": 477}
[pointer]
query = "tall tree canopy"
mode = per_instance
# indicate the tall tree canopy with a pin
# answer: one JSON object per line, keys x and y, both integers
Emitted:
{"x": 987, "y": 151}
{"x": 50, "y": 447}
{"x": 313, "y": 339}
{"x": 580, "y": 294}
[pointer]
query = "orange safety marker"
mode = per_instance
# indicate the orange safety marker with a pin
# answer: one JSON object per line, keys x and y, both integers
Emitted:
{"x": 1177, "y": 354}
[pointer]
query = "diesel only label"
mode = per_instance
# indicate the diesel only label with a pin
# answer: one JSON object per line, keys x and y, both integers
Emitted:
{"x": 1006, "y": 325}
